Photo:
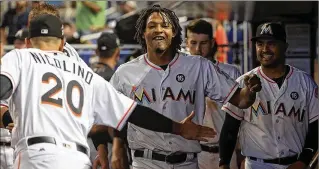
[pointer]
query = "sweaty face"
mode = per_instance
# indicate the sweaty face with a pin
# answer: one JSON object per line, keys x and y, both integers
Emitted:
{"x": 158, "y": 32}
{"x": 199, "y": 44}
{"x": 270, "y": 53}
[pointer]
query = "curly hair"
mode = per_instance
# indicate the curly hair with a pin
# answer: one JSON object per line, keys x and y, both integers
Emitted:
{"x": 43, "y": 9}
{"x": 172, "y": 19}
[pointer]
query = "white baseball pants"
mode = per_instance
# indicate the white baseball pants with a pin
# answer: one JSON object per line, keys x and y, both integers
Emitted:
{"x": 50, "y": 156}
{"x": 6, "y": 157}
{"x": 208, "y": 160}
{"x": 251, "y": 164}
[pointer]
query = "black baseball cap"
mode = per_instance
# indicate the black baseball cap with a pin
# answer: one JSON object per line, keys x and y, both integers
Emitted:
{"x": 46, "y": 25}
{"x": 107, "y": 41}
{"x": 22, "y": 34}
{"x": 270, "y": 30}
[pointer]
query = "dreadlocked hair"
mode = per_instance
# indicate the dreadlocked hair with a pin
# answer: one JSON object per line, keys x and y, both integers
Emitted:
{"x": 166, "y": 13}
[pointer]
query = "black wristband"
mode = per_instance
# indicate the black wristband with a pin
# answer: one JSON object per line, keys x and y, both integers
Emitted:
{"x": 6, "y": 118}
{"x": 306, "y": 156}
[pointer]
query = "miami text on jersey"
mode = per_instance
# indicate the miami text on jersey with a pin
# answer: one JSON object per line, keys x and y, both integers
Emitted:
{"x": 140, "y": 95}
{"x": 259, "y": 109}
{"x": 63, "y": 65}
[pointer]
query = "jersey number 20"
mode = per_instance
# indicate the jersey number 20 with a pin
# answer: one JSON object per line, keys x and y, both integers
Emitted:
{"x": 47, "y": 97}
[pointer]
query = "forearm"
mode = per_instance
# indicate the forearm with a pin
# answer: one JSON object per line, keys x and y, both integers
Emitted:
{"x": 6, "y": 87}
{"x": 243, "y": 98}
{"x": 311, "y": 144}
{"x": 228, "y": 138}
{"x": 93, "y": 7}
{"x": 100, "y": 136}
{"x": 163, "y": 124}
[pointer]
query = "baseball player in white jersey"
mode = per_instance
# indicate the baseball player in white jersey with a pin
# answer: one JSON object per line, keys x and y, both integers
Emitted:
{"x": 280, "y": 130}
{"x": 168, "y": 82}
{"x": 52, "y": 117}
{"x": 200, "y": 41}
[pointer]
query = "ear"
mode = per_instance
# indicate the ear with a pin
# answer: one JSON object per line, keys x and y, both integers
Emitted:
{"x": 286, "y": 46}
{"x": 212, "y": 42}
{"x": 97, "y": 53}
{"x": 28, "y": 43}
{"x": 62, "y": 45}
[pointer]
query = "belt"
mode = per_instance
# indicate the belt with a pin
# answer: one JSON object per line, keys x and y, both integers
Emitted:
{"x": 211, "y": 149}
{"x": 280, "y": 161}
{"x": 170, "y": 159}
{"x": 5, "y": 144}
{"x": 44, "y": 139}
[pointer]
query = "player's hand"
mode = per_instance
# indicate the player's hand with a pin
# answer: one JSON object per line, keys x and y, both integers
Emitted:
{"x": 253, "y": 83}
{"x": 10, "y": 127}
{"x": 101, "y": 159}
{"x": 192, "y": 131}
{"x": 297, "y": 165}
{"x": 119, "y": 157}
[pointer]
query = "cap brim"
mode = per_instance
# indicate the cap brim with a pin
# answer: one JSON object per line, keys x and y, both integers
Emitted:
{"x": 266, "y": 37}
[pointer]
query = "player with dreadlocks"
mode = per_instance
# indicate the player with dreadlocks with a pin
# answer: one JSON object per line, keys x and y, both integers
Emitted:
{"x": 168, "y": 81}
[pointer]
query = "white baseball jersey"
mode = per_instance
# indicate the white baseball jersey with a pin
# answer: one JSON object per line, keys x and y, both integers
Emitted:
{"x": 57, "y": 96}
{"x": 174, "y": 92}
{"x": 277, "y": 123}
{"x": 214, "y": 116}
{"x": 71, "y": 52}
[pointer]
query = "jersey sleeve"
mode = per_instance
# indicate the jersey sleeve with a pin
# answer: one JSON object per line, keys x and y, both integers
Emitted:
{"x": 314, "y": 103}
{"x": 219, "y": 86}
{"x": 11, "y": 67}
{"x": 115, "y": 82}
{"x": 4, "y": 103}
{"x": 232, "y": 110}
{"x": 112, "y": 108}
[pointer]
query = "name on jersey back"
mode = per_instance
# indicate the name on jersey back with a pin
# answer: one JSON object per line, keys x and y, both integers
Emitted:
{"x": 70, "y": 67}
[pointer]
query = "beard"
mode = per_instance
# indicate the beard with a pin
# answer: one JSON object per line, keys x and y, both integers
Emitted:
{"x": 159, "y": 50}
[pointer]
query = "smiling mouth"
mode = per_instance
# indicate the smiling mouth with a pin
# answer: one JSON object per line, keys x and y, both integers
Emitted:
{"x": 158, "y": 38}
{"x": 267, "y": 56}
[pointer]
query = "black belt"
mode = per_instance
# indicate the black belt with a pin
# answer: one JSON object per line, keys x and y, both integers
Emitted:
{"x": 44, "y": 139}
{"x": 280, "y": 161}
{"x": 210, "y": 149}
{"x": 170, "y": 159}
{"x": 5, "y": 144}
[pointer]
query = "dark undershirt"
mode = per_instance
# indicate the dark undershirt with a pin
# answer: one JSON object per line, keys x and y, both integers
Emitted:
{"x": 164, "y": 67}
{"x": 281, "y": 79}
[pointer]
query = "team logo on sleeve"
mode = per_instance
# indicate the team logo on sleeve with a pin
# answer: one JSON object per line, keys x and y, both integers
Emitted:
{"x": 294, "y": 95}
{"x": 180, "y": 78}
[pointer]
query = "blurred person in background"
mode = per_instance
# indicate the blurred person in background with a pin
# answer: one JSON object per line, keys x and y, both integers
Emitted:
{"x": 90, "y": 16}
{"x": 14, "y": 19}
{"x": 125, "y": 27}
{"x": 108, "y": 52}
{"x": 19, "y": 42}
{"x": 70, "y": 33}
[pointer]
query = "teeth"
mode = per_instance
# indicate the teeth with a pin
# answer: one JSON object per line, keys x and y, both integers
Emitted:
{"x": 267, "y": 56}
{"x": 158, "y": 38}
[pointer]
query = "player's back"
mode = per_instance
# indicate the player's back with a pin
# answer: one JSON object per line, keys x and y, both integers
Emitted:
{"x": 52, "y": 95}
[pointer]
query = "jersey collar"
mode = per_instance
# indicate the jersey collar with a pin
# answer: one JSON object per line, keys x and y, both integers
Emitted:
{"x": 260, "y": 71}
{"x": 158, "y": 67}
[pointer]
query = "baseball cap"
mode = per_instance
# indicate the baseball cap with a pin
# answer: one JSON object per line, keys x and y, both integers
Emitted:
{"x": 46, "y": 25}
{"x": 107, "y": 41}
{"x": 270, "y": 30}
{"x": 22, "y": 34}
